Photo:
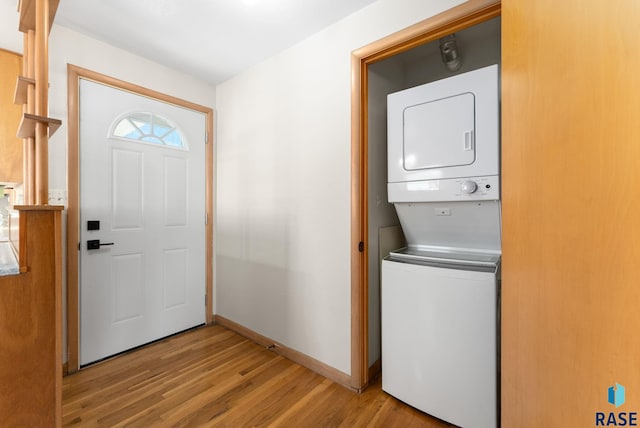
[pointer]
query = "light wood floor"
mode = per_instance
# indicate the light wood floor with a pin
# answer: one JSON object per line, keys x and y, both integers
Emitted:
{"x": 214, "y": 377}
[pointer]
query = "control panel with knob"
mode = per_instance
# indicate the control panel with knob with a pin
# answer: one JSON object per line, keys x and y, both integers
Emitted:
{"x": 469, "y": 187}
{"x": 474, "y": 188}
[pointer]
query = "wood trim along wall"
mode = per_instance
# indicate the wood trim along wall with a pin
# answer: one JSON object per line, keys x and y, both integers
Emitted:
{"x": 73, "y": 221}
{"x": 74, "y": 74}
{"x": 458, "y": 18}
{"x": 291, "y": 354}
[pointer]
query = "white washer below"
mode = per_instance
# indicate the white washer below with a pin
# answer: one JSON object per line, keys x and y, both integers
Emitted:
{"x": 439, "y": 336}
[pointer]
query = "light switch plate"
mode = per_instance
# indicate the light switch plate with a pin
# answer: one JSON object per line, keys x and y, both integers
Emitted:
{"x": 57, "y": 197}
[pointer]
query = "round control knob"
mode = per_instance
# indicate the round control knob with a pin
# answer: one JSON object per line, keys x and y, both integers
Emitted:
{"x": 469, "y": 187}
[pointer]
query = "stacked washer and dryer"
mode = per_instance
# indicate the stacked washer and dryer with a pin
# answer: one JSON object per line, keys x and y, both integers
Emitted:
{"x": 440, "y": 294}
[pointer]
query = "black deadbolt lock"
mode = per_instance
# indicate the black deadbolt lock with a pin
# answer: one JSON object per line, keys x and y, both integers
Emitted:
{"x": 93, "y": 225}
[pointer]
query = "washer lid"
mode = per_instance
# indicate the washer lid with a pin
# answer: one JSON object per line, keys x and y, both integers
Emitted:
{"x": 444, "y": 256}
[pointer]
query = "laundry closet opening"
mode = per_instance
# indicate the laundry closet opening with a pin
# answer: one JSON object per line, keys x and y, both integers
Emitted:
{"x": 477, "y": 46}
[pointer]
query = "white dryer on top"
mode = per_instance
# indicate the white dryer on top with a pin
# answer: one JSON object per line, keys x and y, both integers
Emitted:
{"x": 443, "y": 139}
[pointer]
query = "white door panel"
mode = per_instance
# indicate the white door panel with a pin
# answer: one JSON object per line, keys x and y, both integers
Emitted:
{"x": 150, "y": 201}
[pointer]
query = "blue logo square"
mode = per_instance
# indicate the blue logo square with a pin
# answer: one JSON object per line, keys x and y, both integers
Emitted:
{"x": 616, "y": 395}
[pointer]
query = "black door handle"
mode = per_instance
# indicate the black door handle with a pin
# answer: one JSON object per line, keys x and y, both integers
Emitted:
{"x": 94, "y": 244}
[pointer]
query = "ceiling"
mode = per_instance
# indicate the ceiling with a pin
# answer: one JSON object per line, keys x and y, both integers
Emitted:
{"x": 209, "y": 39}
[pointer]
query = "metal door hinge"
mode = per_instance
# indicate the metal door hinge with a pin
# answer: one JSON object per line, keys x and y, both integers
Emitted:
{"x": 361, "y": 246}
{"x": 206, "y": 137}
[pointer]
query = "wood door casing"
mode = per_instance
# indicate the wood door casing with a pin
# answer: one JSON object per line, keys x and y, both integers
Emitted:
{"x": 458, "y": 18}
{"x": 74, "y": 74}
{"x": 571, "y": 199}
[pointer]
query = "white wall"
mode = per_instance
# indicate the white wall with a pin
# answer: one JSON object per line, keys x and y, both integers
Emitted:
{"x": 283, "y": 186}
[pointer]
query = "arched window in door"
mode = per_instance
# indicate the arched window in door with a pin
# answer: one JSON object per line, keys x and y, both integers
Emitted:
{"x": 144, "y": 127}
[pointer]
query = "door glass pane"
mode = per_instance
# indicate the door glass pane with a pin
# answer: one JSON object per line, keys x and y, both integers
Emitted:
{"x": 148, "y": 128}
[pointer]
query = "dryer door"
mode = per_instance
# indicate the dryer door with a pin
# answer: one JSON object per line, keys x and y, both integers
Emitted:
{"x": 439, "y": 133}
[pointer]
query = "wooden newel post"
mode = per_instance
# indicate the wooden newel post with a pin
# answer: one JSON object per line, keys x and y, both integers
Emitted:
{"x": 42, "y": 102}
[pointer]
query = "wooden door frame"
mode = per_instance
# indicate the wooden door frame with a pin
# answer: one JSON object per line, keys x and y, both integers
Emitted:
{"x": 458, "y": 18}
{"x": 74, "y": 74}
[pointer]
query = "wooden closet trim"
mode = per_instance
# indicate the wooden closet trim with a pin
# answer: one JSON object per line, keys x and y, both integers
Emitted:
{"x": 458, "y": 18}
{"x": 74, "y": 74}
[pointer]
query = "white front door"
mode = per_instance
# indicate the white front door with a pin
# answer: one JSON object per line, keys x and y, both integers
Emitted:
{"x": 142, "y": 220}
